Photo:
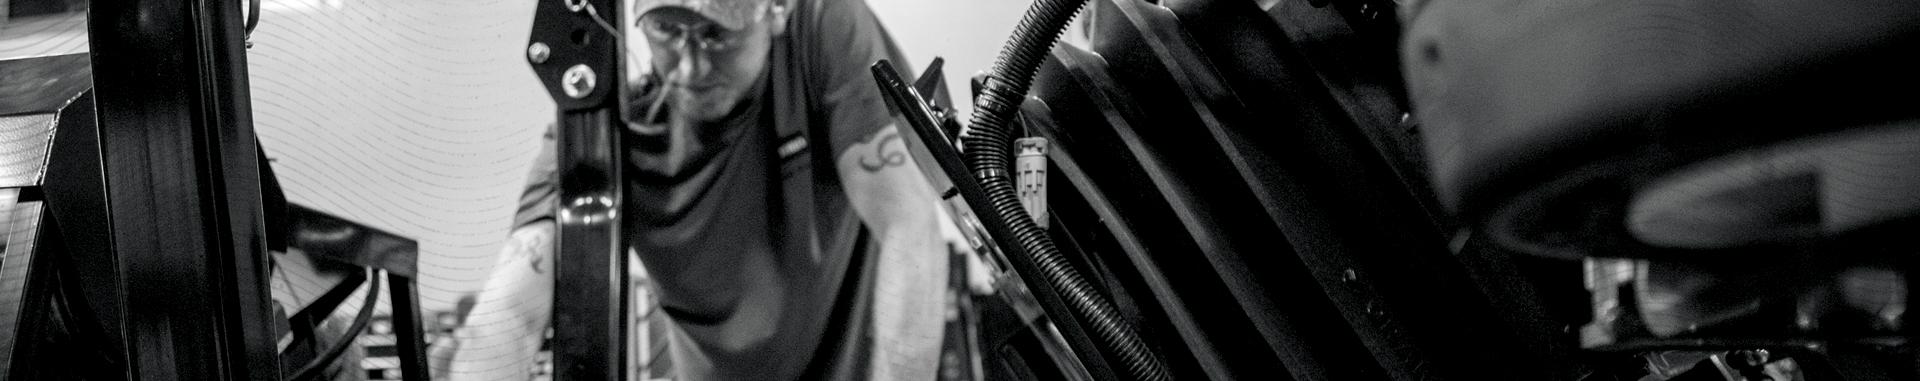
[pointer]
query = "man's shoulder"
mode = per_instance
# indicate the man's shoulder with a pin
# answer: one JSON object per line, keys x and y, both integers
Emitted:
{"x": 827, "y": 83}
{"x": 814, "y": 14}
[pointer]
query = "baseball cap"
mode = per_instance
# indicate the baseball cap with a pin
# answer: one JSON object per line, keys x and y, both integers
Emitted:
{"x": 730, "y": 14}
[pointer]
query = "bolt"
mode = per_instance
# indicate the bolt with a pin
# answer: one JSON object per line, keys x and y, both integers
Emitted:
{"x": 1349, "y": 275}
{"x": 1756, "y": 357}
{"x": 578, "y": 81}
{"x": 576, "y": 5}
{"x": 538, "y": 52}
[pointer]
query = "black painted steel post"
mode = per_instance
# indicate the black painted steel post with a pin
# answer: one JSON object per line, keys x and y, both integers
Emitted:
{"x": 589, "y": 333}
{"x": 183, "y": 187}
{"x": 407, "y": 331}
{"x": 577, "y": 57}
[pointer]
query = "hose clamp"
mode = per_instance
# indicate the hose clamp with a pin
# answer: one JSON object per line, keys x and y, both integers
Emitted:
{"x": 991, "y": 173}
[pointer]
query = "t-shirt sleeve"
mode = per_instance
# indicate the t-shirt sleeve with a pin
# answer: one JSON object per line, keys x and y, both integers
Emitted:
{"x": 537, "y": 200}
{"x": 846, "y": 39}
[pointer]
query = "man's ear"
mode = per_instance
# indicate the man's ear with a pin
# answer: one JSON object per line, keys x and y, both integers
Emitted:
{"x": 778, "y": 14}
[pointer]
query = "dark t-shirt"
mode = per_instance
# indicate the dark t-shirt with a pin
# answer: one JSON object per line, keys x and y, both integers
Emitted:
{"x": 754, "y": 251}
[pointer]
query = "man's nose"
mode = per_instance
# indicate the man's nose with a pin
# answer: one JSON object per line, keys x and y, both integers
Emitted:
{"x": 694, "y": 63}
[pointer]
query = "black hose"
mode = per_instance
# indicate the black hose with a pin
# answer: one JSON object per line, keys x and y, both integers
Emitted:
{"x": 332, "y": 354}
{"x": 988, "y": 148}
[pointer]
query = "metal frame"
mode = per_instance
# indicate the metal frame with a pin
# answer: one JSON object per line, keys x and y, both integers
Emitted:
{"x": 54, "y": 171}
{"x": 19, "y": 222}
{"x": 577, "y": 57}
{"x": 35, "y": 94}
{"x": 332, "y": 239}
{"x": 183, "y": 184}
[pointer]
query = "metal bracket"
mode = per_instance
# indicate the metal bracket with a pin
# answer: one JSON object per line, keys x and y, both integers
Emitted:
{"x": 567, "y": 38}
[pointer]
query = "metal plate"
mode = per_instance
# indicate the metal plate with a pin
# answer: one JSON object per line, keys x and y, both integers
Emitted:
{"x": 42, "y": 84}
{"x": 16, "y": 260}
{"x": 24, "y": 140}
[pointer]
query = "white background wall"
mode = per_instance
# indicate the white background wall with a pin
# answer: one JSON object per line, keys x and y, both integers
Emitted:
{"x": 967, "y": 33}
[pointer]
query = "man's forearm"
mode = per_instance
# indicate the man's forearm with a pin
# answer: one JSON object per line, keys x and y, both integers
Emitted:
{"x": 509, "y": 319}
{"x": 909, "y": 303}
{"x": 894, "y": 199}
{"x": 884, "y": 185}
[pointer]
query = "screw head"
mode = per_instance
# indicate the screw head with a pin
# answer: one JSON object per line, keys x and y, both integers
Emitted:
{"x": 538, "y": 52}
{"x": 1757, "y": 357}
{"x": 577, "y": 81}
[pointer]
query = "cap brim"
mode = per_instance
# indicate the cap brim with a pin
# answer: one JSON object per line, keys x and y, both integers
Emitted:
{"x": 732, "y": 19}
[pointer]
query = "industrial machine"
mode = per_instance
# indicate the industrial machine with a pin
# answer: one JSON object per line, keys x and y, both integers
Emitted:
{"x": 1661, "y": 190}
{"x": 1207, "y": 189}
{"x": 1734, "y": 177}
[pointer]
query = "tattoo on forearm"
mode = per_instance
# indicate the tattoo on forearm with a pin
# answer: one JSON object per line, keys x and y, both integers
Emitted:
{"x": 887, "y": 152}
{"x": 528, "y": 247}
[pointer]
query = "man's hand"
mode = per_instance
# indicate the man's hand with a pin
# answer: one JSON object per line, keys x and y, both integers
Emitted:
{"x": 895, "y": 201}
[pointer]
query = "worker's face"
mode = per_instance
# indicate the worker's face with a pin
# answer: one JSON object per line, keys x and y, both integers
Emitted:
{"x": 706, "y": 69}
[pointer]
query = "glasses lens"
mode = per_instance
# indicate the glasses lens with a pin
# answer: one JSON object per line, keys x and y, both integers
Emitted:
{"x": 714, "y": 38}
{"x": 663, "y": 30}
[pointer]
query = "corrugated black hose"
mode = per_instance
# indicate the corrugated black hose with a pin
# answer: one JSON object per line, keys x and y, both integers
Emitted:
{"x": 988, "y": 148}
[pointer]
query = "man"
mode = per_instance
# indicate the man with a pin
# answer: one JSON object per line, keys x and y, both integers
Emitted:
{"x": 786, "y": 230}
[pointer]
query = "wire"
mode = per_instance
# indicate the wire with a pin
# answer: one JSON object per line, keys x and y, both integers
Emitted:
{"x": 618, "y": 36}
{"x": 253, "y": 16}
{"x": 620, "y": 39}
{"x": 653, "y": 114}
{"x": 312, "y": 370}
{"x": 253, "y": 21}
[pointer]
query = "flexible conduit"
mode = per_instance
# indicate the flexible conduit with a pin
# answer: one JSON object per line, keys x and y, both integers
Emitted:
{"x": 988, "y": 149}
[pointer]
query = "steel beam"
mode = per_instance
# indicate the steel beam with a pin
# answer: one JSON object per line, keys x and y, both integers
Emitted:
{"x": 183, "y": 187}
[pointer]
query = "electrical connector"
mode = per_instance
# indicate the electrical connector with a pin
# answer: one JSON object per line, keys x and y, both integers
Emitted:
{"x": 1030, "y": 178}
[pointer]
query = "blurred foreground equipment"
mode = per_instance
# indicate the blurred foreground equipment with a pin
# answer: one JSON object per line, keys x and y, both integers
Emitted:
{"x": 1657, "y": 190}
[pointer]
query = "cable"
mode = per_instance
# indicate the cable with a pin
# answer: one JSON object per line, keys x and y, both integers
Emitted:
{"x": 312, "y": 370}
{"x": 253, "y": 16}
{"x": 653, "y": 111}
{"x": 618, "y": 37}
{"x": 253, "y": 20}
